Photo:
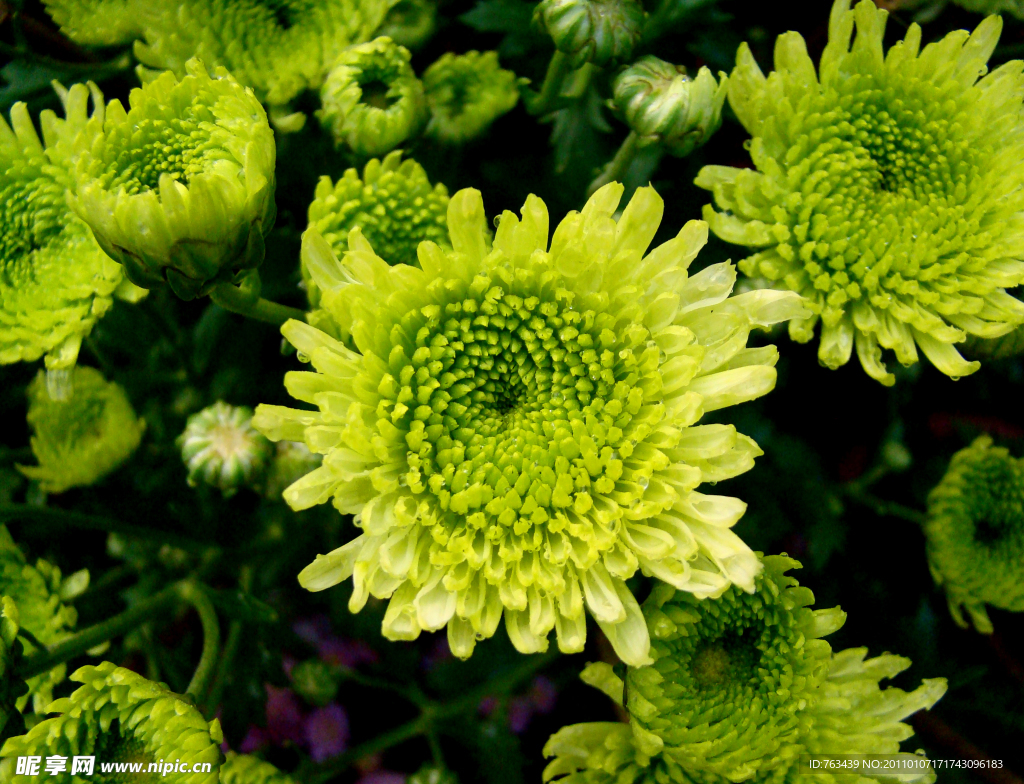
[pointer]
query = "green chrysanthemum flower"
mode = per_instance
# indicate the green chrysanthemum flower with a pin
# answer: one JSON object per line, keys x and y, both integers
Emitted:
{"x": 39, "y": 592}
{"x": 277, "y": 48}
{"x": 661, "y": 104}
{"x": 742, "y": 687}
{"x": 80, "y": 440}
{"x": 410, "y": 23}
{"x": 245, "y": 769}
{"x": 180, "y": 188}
{"x": 372, "y": 100}
{"x": 394, "y": 205}
{"x": 221, "y": 448}
{"x": 118, "y": 716}
{"x": 515, "y": 431}
{"x": 96, "y": 22}
{"x": 466, "y": 93}
{"x": 887, "y": 193}
{"x": 11, "y": 686}
{"x": 56, "y": 282}
{"x": 602, "y": 32}
{"x": 975, "y": 532}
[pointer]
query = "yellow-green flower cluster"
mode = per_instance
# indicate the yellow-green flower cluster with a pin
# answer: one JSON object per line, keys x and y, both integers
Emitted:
{"x": 602, "y": 32}
{"x": 742, "y": 687}
{"x": 119, "y": 716}
{"x": 466, "y": 93}
{"x": 56, "y": 282}
{"x": 886, "y": 189}
{"x": 221, "y": 448}
{"x": 80, "y": 440}
{"x": 516, "y": 430}
{"x": 278, "y": 49}
{"x": 39, "y": 592}
{"x": 245, "y": 769}
{"x": 372, "y": 100}
{"x": 975, "y": 532}
{"x": 180, "y": 188}
{"x": 662, "y": 105}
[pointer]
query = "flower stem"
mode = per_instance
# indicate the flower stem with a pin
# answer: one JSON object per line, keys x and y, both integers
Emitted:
{"x": 617, "y": 166}
{"x": 81, "y": 642}
{"x": 883, "y": 508}
{"x": 544, "y": 101}
{"x": 196, "y": 596}
{"x": 234, "y": 299}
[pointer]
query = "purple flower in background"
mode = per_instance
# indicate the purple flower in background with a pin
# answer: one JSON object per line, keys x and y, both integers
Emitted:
{"x": 382, "y": 777}
{"x": 543, "y": 694}
{"x": 284, "y": 716}
{"x": 326, "y": 732}
{"x": 540, "y": 699}
{"x": 331, "y": 648}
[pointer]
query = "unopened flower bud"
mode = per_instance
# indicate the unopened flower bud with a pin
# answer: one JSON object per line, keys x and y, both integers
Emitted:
{"x": 410, "y": 22}
{"x": 601, "y": 32}
{"x": 221, "y": 448}
{"x": 661, "y": 104}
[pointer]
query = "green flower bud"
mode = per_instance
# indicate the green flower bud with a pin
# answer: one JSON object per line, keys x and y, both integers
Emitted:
{"x": 292, "y": 461}
{"x": 433, "y": 774}
{"x": 180, "y": 188}
{"x": 221, "y": 448}
{"x": 316, "y": 681}
{"x": 410, "y": 23}
{"x": 507, "y": 400}
{"x": 602, "y": 32}
{"x": 372, "y": 100}
{"x": 661, "y": 104}
{"x": 39, "y": 592}
{"x": 895, "y": 243}
{"x": 245, "y": 769}
{"x": 975, "y": 532}
{"x": 55, "y": 281}
{"x": 466, "y": 93}
{"x": 96, "y": 22}
{"x": 742, "y": 686}
{"x": 118, "y": 716}
{"x": 79, "y": 441}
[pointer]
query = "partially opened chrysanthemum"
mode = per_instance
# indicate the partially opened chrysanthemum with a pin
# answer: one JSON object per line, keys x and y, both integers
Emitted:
{"x": 180, "y": 188}
{"x": 975, "y": 532}
{"x": 56, "y": 282}
{"x": 742, "y": 688}
{"x": 466, "y": 93}
{"x": 40, "y": 592}
{"x": 886, "y": 189}
{"x": 516, "y": 430}
{"x": 119, "y": 716}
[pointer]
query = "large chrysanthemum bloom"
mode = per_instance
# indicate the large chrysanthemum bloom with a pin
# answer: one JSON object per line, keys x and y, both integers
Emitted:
{"x": 96, "y": 22}
{"x": 886, "y": 189}
{"x": 56, "y": 282}
{"x": 466, "y": 93}
{"x": 372, "y": 100}
{"x": 246, "y": 769}
{"x": 40, "y": 592}
{"x": 119, "y": 716}
{"x": 742, "y": 688}
{"x": 393, "y": 204}
{"x": 975, "y": 532}
{"x": 221, "y": 448}
{"x": 80, "y": 440}
{"x": 180, "y": 188}
{"x": 516, "y": 431}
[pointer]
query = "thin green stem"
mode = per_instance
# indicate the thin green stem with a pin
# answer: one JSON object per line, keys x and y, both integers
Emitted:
{"x": 220, "y": 679}
{"x": 884, "y": 508}
{"x": 544, "y": 101}
{"x": 617, "y": 166}
{"x": 194, "y": 594}
{"x": 232, "y": 298}
{"x": 81, "y": 642}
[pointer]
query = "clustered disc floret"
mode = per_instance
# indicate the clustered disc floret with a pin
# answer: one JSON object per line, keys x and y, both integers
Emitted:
{"x": 466, "y": 93}
{"x": 975, "y": 532}
{"x": 516, "y": 430}
{"x": 119, "y": 716}
{"x": 221, "y": 448}
{"x": 886, "y": 189}
{"x": 80, "y": 440}
{"x": 372, "y": 100}
{"x": 55, "y": 281}
{"x": 277, "y": 48}
{"x": 742, "y": 688}
{"x": 180, "y": 188}
{"x": 662, "y": 105}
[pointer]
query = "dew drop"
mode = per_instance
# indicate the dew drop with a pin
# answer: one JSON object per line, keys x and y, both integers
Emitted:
{"x": 643, "y": 481}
